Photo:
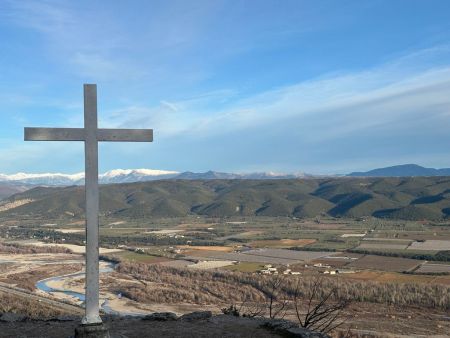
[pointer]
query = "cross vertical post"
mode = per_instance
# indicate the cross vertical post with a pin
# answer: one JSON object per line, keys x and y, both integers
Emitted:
{"x": 90, "y": 135}
{"x": 92, "y": 200}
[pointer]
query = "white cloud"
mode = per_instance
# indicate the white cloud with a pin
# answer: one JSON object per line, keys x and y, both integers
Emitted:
{"x": 169, "y": 105}
{"x": 337, "y": 104}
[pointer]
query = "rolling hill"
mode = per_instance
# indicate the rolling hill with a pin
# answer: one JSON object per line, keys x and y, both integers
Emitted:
{"x": 9, "y": 189}
{"x": 414, "y": 198}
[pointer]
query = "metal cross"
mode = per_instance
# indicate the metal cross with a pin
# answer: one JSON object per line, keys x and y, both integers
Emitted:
{"x": 91, "y": 135}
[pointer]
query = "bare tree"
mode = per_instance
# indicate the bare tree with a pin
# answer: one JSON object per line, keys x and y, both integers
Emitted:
{"x": 323, "y": 307}
{"x": 246, "y": 309}
{"x": 276, "y": 303}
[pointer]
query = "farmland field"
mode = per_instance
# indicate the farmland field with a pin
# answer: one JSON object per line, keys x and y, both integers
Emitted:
{"x": 287, "y": 254}
{"x": 138, "y": 257}
{"x": 206, "y": 248}
{"x": 430, "y": 245}
{"x": 385, "y": 263}
{"x": 205, "y": 265}
{"x": 241, "y": 257}
{"x": 281, "y": 243}
{"x": 378, "y": 246}
{"x": 434, "y": 268}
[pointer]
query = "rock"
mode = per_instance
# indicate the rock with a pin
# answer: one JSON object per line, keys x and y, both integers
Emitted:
{"x": 278, "y": 324}
{"x": 66, "y": 318}
{"x": 299, "y": 332}
{"x": 92, "y": 331}
{"x": 12, "y": 317}
{"x": 198, "y": 315}
{"x": 289, "y": 329}
{"x": 161, "y": 316}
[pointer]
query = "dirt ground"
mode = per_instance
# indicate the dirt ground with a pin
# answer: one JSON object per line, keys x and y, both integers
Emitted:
{"x": 220, "y": 326}
{"x": 388, "y": 321}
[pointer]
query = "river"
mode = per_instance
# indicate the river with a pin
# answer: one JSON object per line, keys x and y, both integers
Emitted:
{"x": 43, "y": 286}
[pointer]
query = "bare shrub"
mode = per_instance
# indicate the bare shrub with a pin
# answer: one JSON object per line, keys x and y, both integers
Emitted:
{"x": 25, "y": 306}
{"x": 323, "y": 308}
{"x": 276, "y": 298}
{"x": 28, "y": 279}
{"x": 174, "y": 285}
{"x": 17, "y": 249}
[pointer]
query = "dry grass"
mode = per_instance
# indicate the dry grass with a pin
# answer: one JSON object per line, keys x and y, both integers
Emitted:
{"x": 26, "y": 306}
{"x": 170, "y": 285}
{"x": 28, "y": 279}
{"x": 17, "y": 249}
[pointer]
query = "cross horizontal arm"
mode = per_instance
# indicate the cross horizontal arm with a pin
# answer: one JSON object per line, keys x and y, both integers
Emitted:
{"x": 78, "y": 134}
{"x": 54, "y": 134}
{"x": 125, "y": 135}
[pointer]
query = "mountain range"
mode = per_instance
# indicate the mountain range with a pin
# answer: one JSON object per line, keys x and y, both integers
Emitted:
{"x": 143, "y": 175}
{"x": 404, "y": 170}
{"x": 413, "y": 198}
{"x": 133, "y": 175}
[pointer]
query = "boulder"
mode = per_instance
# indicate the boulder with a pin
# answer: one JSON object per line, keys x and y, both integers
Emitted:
{"x": 278, "y": 324}
{"x": 12, "y": 317}
{"x": 161, "y": 316}
{"x": 299, "y": 332}
{"x": 198, "y": 315}
{"x": 289, "y": 329}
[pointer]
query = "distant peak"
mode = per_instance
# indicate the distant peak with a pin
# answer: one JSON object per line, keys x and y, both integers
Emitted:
{"x": 150, "y": 172}
{"x": 403, "y": 170}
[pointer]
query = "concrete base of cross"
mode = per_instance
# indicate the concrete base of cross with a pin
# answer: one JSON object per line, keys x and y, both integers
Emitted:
{"x": 92, "y": 331}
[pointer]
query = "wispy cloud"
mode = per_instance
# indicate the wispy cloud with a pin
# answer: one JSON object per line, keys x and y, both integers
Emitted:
{"x": 401, "y": 91}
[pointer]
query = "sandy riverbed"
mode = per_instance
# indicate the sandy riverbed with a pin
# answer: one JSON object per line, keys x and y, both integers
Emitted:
{"x": 75, "y": 248}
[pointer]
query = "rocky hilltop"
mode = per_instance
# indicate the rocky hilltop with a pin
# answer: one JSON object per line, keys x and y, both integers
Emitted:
{"x": 196, "y": 324}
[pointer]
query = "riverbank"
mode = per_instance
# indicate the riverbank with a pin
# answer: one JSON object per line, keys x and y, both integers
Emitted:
{"x": 70, "y": 288}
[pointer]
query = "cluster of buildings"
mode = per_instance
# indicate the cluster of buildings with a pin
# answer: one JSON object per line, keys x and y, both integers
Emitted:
{"x": 331, "y": 271}
{"x": 271, "y": 270}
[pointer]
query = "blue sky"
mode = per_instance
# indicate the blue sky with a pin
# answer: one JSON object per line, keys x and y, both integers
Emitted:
{"x": 289, "y": 86}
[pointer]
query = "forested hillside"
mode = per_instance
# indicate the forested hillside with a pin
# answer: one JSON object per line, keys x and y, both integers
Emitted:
{"x": 403, "y": 198}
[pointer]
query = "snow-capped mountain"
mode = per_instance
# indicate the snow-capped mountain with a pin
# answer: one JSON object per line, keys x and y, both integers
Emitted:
{"x": 134, "y": 175}
{"x": 113, "y": 176}
{"x": 43, "y": 179}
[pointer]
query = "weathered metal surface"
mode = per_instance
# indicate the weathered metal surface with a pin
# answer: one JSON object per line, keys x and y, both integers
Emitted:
{"x": 54, "y": 134}
{"x": 125, "y": 135}
{"x": 92, "y": 204}
{"x": 78, "y": 134}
